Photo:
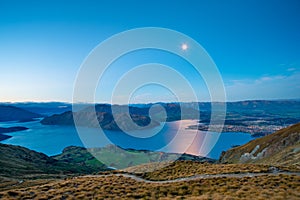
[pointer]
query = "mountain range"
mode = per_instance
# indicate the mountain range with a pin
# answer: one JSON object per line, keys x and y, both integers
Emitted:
{"x": 12, "y": 113}
{"x": 255, "y": 117}
{"x": 120, "y": 117}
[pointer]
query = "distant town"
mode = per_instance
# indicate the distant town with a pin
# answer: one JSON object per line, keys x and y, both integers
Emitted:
{"x": 254, "y": 130}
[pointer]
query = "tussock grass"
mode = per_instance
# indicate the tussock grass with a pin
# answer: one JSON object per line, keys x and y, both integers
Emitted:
{"x": 280, "y": 148}
{"x": 119, "y": 187}
{"x": 180, "y": 169}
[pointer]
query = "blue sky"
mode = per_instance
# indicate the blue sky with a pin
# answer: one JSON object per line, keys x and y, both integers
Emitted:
{"x": 255, "y": 44}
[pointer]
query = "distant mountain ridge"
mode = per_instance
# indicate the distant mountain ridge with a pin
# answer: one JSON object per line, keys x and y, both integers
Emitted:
{"x": 273, "y": 106}
{"x": 257, "y": 117}
{"x": 42, "y": 108}
{"x": 12, "y": 113}
{"x": 120, "y": 120}
{"x": 104, "y": 119}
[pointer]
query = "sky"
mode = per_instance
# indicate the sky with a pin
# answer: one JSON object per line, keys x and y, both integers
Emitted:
{"x": 254, "y": 44}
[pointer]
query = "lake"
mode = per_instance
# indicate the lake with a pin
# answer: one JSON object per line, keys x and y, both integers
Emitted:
{"x": 170, "y": 137}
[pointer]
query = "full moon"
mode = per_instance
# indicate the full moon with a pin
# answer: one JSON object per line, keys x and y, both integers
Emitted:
{"x": 184, "y": 47}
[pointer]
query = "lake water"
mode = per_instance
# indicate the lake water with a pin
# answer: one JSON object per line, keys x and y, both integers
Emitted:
{"x": 51, "y": 140}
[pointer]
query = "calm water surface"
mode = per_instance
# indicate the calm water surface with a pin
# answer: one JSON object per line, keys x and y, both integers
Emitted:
{"x": 51, "y": 140}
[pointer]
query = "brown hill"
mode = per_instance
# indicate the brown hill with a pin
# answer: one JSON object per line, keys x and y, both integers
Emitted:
{"x": 279, "y": 148}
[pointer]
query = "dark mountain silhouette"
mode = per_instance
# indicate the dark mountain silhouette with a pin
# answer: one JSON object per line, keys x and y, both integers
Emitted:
{"x": 11, "y": 113}
{"x": 121, "y": 119}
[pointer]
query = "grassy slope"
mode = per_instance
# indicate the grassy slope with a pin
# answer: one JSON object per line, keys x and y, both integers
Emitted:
{"x": 120, "y": 158}
{"x": 20, "y": 162}
{"x": 280, "y": 148}
{"x": 180, "y": 169}
{"x": 118, "y": 187}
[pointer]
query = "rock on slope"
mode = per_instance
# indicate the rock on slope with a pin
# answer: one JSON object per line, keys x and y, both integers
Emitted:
{"x": 279, "y": 148}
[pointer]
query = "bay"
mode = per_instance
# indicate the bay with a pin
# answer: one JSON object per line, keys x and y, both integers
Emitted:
{"x": 170, "y": 137}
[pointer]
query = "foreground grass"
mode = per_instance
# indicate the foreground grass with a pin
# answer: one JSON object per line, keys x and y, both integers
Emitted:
{"x": 182, "y": 169}
{"x": 273, "y": 186}
{"x": 119, "y": 187}
{"x": 12, "y": 183}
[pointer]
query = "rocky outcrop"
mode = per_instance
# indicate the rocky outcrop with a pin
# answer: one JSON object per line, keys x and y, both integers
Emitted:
{"x": 280, "y": 147}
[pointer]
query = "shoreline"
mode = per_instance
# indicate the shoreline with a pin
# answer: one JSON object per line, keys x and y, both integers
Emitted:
{"x": 184, "y": 138}
{"x": 253, "y": 130}
{"x": 4, "y": 137}
{"x": 12, "y": 129}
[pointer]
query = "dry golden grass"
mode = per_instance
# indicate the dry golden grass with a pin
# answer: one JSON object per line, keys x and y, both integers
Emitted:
{"x": 181, "y": 169}
{"x": 281, "y": 148}
{"x": 289, "y": 156}
{"x": 119, "y": 187}
{"x": 10, "y": 184}
{"x": 147, "y": 167}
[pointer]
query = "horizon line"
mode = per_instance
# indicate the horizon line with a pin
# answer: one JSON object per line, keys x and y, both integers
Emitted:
{"x": 66, "y": 102}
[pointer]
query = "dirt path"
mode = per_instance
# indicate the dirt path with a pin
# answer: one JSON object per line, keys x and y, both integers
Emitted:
{"x": 202, "y": 176}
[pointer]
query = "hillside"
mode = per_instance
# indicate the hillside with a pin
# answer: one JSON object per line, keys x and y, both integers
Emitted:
{"x": 21, "y": 167}
{"x": 204, "y": 181}
{"x": 11, "y": 113}
{"x": 17, "y": 162}
{"x": 119, "y": 158}
{"x": 26, "y": 174}
{"x": 279, "y": 148}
